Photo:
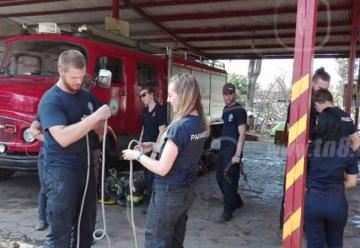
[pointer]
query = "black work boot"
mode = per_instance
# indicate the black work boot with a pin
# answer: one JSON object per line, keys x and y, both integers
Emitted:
{"x": 225, "y": 217}
{"x": 41, "y": 225}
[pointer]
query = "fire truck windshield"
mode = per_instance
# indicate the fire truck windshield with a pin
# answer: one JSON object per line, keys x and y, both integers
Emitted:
{"x": 34, "y": 57}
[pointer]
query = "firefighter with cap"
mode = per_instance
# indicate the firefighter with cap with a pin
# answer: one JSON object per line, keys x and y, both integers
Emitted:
{"x": 231, "y": 150}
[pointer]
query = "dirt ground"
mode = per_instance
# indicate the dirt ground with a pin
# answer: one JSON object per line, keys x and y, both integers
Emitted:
{"x": 254, "y": 226}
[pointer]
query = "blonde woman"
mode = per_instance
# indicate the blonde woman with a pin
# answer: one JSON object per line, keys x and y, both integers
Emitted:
{"x": 181, "y": 149}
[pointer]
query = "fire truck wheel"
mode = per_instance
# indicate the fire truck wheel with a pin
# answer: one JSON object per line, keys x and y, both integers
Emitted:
{"x": 6, "y": 173}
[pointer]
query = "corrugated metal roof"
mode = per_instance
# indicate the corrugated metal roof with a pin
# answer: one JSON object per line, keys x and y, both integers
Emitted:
{"x": 218, "y": 28}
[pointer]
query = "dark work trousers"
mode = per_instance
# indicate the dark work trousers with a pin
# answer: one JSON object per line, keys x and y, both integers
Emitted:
{"x": 228, "y": 183}
{"x": 167, "y": 215}
{"x": 149, "y": 180}
{"x": 65, "y": 187}
{"x": 325, "y": 219}
{"x": 42, "y": 193}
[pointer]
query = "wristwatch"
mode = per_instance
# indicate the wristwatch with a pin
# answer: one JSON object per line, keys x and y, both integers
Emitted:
{"x": 139, "y": 156}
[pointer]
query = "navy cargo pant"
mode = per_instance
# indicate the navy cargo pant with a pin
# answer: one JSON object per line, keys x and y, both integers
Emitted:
{"x": 65, "y": 187}
{"x": 42, "y": 194}
{"x": 325, "y": 219}
{"x": 149, "y": 179}
{"x": 167, "y": 215}
{"x": 228, "y": 182}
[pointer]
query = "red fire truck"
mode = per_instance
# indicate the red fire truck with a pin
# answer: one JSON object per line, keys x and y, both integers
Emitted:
{"x": 29, "y": 68}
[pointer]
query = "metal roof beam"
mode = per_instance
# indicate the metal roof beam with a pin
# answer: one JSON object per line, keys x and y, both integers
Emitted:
{"x": 265, "y": 46}
{"x": 237, "y": 13}
{"x": 163, "y": 28}
{"x": 57, "y": 12}
{"x": 247, "y": 56}
{"x": 25, "y": 2}
{"x": 94, "y": 9}
{"x": 162, "y": 3}
{"x": 163, "y": 18}
{"x": 290, "y": 55}
{"x": 240, "y": 28}
{"x": 238, "y": 37}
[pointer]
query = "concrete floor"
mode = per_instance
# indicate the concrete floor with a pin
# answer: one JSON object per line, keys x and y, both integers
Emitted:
{"x": 253, "y": 226}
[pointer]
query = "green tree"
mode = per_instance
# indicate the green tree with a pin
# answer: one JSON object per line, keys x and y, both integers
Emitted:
{"x": 342, "y": 69}
{"x": 254, "y": 70}
{"x": 240, "y": 83}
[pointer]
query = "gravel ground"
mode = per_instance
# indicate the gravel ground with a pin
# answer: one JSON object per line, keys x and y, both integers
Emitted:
{"x": 255, "y": 225}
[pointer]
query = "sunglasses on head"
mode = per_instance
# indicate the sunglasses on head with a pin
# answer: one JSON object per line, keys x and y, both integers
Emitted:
{"x": 142, "y": 95}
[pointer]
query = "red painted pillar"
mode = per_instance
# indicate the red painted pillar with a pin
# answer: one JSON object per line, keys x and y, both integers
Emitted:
{"x": 115, "y": 9}
{"x": 299, "y": 123}
{"x": 354, "y": 38}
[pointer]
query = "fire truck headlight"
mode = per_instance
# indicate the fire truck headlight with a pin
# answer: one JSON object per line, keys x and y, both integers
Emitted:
{"x": 2, "y": 148}
{"x": 27, "y": 136}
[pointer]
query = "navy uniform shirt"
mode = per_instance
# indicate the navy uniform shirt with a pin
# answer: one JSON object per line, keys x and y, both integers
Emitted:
{"x": 233, "y": 117}
{"x": 189, "y": 135}
{"x": 347, "y": 127}
{"x": 93, "y": 137}
{"x": 327, "y": 164}
{"x": 58, "y": 107}
{"x": 151, "y": 122}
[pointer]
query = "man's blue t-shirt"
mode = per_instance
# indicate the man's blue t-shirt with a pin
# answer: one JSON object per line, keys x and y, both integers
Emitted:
{"x": 189, "y": 135}
{"x": 58, "y": 107}
{"x": 233, "y": 117}
{"x": 327, "y": 163}
{"x": 151, "y": 121}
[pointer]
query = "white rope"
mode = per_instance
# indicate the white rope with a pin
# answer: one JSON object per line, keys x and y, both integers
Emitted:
{"x": 132, "y": 190}
{"x": 102, "y": 232}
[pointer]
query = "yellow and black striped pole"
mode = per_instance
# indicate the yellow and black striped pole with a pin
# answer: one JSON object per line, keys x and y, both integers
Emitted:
{"x": 299, "y": 123}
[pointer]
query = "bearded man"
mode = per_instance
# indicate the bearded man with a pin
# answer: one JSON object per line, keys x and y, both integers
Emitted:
{"x": 61, "y": 112}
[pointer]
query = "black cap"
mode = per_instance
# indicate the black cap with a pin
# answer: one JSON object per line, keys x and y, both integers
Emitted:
{"x": 228, "y": 88}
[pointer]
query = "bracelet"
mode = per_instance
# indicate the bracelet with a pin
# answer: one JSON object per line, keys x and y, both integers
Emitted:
{"x": 139, "y": 156}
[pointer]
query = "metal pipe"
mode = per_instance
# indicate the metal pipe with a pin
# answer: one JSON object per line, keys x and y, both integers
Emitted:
{"x": 358, "y": 101}
{"x": 354, "y": 37}
{"x": 169, "y": 74}
{"x": 115, "y": 9}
